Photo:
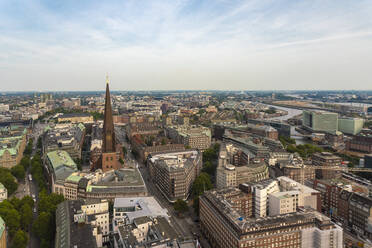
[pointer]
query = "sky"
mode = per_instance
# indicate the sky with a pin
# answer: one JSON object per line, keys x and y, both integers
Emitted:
{"x": 63, "y": 45}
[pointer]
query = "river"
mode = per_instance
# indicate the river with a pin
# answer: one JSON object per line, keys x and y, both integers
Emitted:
{"x": 291, "y": 113}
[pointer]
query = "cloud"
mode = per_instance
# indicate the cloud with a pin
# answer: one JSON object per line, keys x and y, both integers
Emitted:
{"x": 192, "y": 44}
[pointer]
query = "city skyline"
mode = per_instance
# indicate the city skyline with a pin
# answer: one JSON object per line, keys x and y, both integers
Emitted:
{"x": 185, "y": 45}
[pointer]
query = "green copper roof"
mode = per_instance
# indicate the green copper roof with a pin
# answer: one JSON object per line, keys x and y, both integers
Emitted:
{"x": 2, "y": 227}
{"x": 61, "y": 158}
{"x": 47, "y": 128}
{"x": 81, "y": 126}
{"x": 2, "y": 186}
{"x": 13, "y": 150}
{"x": 73, "y": 178}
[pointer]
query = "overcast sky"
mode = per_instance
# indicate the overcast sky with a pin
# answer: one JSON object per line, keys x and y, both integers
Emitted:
{"x": 196, "y": 44}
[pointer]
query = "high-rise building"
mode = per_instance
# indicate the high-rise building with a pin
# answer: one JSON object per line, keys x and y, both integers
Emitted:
{"x": 320, "y": 121}
{"x": 350, "y": 125}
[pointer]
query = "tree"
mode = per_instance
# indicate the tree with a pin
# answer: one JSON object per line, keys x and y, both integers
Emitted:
{"x": 20, "y": 239}
{"x": 195, "y": 205}
{"x": 163, "y": 141}
{"x": 18, "y": 171}
{"x": 7, "y": 179}
{"x": 11, "y": 217}
{"x": 25, "y": 161}
{"x": 28, "y": 149}
{"x": 208, "y": 168}
{"x": 39, "y": 143}
{"x": 27, "y": 200}
{"x": 26, "y": 216}
{"x": 78, "y": 163}
{"x": 180, "y": 206}
{"x": 202, "y": 183}
{"x": 42, "y": 226}
{"x": 125, "y": 151}
{"x": 48, "y": 203}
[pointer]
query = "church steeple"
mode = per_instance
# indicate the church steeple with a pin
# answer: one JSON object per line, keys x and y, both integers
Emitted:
{"x": 108, "y": 124}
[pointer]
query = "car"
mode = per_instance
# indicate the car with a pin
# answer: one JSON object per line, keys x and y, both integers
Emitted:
{"x": 34, "y": 210}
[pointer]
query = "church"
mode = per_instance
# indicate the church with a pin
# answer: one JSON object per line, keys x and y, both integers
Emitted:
{"x": 112, "y": 152}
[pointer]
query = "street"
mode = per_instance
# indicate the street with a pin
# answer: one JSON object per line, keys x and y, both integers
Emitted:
{"x": 185, "y": 227}
{"x": 32, "y": 186}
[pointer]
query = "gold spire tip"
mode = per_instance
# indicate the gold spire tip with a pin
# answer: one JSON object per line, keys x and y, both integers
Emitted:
{"x": 107, "y": 79}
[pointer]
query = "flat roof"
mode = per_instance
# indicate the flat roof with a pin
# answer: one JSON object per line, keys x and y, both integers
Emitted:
{"x": 144, "y": 206}
{"x": 61, "y": 158}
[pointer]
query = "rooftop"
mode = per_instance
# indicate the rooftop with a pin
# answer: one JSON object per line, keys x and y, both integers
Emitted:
{"x": 60, "y": 158}
{"x": 68, "y": 233}
{"x": 140, "y": 206}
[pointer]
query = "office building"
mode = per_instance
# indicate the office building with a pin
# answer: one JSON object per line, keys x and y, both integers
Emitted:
{"x": 368, "y": 161}
{"x": 360, "y": 143}
{"x": 191, "y": 136}
{"x": 68, "y": 137}
{"x": 320, "y": 121}
{"x": 155, "y": 232}
{"x": 234, "y": 167}
{"x": 126, "y": 210}
{"x": 326, "y": 159}
{"x": 71, "y": 233}
{"x": 60, "y": 167}
{"x": 351, "y": 126}
{"x": 13, "y": 141}
{"x": 225, "y": 227}
{"x": 174, "y": 173}
{"x": 125, "y": 182}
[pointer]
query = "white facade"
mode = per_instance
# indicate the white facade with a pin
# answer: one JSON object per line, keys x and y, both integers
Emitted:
{"x": 283, "y": 202}
{"x": 96, "y": 213}
{"x": 316, "y": 238}
{"x": 126, "y": 210}
{"x": 261, "y": 196}
{"x": 308, "y": 197}
{"x": 3, "y": 193}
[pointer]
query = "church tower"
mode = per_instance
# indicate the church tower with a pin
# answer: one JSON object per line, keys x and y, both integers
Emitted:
{"x": 111, "y": 152}
{"x": 108, "y": 144}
